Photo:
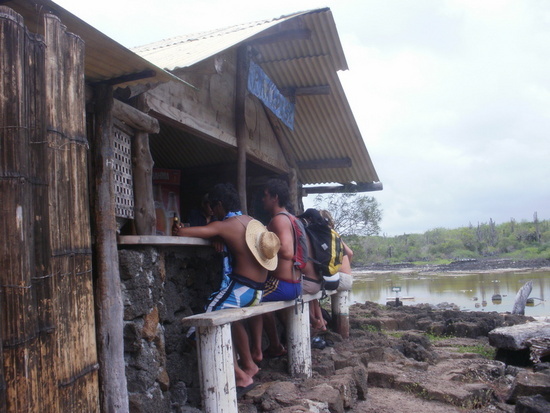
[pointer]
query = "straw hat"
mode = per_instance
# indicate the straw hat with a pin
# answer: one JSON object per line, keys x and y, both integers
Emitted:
{"x": 263, "y": 244}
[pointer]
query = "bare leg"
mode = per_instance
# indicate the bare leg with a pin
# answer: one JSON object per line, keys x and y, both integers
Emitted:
{"x": 242, "y": 346}
{"x": 317, "y": 322}
{"x": 256, "y": 329}
{"x": 270, "y": 324}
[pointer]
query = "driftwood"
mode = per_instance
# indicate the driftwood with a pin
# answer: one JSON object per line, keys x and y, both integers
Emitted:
{"x": 517, "y": 337}
{"x": 521, "y": 298}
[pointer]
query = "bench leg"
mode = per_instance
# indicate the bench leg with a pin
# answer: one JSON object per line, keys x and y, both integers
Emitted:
{"x": 216, "y": 369}
{"x": 340, "y": 312}
{"x": 299, "y": 342}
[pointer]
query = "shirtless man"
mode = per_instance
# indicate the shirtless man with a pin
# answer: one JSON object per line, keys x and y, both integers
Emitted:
{"x": 245, "y": 271}
{"x": 284, "y": 282}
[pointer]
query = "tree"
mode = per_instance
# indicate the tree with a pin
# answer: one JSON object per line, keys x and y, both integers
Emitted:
{"x": 353, "y": 214}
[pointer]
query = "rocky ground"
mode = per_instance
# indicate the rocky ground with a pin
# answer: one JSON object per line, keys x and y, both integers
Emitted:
{"x": 469, "y": 265}
{"x": 408, "y": 359}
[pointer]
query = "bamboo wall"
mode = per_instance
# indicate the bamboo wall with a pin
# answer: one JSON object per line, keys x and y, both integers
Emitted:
{"x": 48, "y": 360}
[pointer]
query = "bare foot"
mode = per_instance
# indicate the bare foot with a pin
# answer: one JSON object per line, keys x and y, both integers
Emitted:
{"x": 251, "y": 370}
{"x": 319, "y": 324}
{"x": 241, "y": 378}
{"x": 275, "y": 352}
{"x": 257, "y": 356}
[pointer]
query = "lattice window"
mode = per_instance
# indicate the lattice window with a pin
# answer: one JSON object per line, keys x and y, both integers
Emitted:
{"x": 124, "y": 191}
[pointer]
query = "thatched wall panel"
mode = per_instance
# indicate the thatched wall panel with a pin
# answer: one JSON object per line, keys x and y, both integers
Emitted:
{"x": 48, "y": 354}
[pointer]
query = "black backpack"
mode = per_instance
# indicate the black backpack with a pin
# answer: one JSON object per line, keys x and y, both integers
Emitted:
{"x": 327, "y": 248}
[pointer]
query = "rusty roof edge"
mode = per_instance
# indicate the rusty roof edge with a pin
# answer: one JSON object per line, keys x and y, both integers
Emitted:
{"x": 82, "y": 29}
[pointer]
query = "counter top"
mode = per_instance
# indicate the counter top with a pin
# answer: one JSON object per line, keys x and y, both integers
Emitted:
{"x": 160, "y": 240}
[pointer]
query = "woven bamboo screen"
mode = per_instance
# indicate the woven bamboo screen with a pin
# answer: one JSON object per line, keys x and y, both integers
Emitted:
{"x": 48, "y": 360}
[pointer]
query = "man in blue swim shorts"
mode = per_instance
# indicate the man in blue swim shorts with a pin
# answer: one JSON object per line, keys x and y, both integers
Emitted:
{"x": 250, "y": 250}
{"x": 284, "y": 282}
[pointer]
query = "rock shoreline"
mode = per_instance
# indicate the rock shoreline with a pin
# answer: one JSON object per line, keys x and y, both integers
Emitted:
{"x": 405, "y": 359}
{"x": 464, "y": 266}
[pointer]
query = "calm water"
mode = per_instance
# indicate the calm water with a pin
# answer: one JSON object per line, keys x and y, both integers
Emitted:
{"x": 469, "y": 292}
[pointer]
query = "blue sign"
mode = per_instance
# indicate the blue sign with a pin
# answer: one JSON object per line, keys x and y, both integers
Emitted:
{"x": 261, "y": 86}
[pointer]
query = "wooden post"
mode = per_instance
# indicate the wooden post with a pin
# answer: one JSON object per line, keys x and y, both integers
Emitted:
{"x": 340, "y": 312}
{"x": 142, "y": 162}
{"x": 110, "y": 311}
{"x": 299, "y": 341}
{"x": 240, "y": 123}
{"x": 216, "y": 369}
{"x": 293, "y": 191}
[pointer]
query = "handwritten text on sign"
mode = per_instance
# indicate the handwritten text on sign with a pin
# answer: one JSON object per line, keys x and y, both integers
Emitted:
{"x": 261, "y": 86}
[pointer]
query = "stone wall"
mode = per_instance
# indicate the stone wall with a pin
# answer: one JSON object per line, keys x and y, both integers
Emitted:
{"x": 160, "y": 286}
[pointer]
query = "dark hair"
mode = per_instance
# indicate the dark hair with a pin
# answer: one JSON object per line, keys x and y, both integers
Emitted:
{"x": 227, "y": 195}
{"x": 280, "y": 188}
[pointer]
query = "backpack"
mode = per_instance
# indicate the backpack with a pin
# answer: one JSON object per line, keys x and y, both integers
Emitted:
{"x": 301, "y": 252}
{"x": 327, "y": 248}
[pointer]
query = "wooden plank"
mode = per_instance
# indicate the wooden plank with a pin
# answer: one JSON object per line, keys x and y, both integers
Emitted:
{"x": 161, "y": 240}
{"x": 181, "y": 118}
{"x": 216, "y": 318}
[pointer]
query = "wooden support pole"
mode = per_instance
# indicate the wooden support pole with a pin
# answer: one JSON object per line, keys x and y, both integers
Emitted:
{"x": 216, "y": 369}
{"x": 293, "y": 191}
{"x": 340, "y": 312}
{"x": 142, "y": 170}
{"x": 240, "y": 123}
{"x": 299, "y": 341}
{"x": 110, "y": 311}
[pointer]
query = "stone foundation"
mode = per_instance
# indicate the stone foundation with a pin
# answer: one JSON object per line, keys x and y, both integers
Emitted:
{"x": 160, "y": 286}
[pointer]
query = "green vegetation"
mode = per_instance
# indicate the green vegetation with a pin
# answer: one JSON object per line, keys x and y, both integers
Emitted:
{"x": 484, "y": 350}
{"x": 435, "y": 337}
{"x": 511, "y": 240}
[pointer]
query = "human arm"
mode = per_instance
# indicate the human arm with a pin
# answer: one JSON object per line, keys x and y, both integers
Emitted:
{"x": 348, "y": 251}
{"x": 211, "y": 230}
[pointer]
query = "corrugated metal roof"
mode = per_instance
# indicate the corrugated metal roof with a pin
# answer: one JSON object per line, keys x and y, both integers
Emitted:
{"x": 105, "y": 59}
{"x": 324, "y": 127}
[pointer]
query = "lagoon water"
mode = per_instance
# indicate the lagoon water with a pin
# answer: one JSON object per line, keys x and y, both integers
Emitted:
{"x": 472, "y": 292}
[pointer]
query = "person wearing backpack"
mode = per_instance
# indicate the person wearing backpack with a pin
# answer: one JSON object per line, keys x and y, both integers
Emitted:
{"x": 346, "y": 279}
{"x": 284, "y": 282}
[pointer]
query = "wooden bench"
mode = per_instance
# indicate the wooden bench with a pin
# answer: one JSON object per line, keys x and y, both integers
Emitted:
{"x": 215, "y": 347}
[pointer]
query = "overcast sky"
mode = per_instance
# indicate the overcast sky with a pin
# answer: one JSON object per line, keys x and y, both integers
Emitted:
{"x": 452, "y": 97}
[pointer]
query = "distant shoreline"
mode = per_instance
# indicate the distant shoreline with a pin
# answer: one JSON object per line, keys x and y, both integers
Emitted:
{"x": 460, "y": 267}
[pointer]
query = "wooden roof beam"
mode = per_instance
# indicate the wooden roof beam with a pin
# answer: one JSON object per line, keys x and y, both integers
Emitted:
{"x": 305, "y": 91}
{"x": 325, "y": 163}
{"x": 344, "y": 188}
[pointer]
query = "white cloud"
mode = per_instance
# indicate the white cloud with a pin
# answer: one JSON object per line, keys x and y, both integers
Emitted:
{"x": 452, "y": 96}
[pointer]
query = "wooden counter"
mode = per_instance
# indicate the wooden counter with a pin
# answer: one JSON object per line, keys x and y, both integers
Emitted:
{"x": 160, "y": 240}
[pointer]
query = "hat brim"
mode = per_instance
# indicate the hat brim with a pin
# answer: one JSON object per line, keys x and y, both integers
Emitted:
{"x": 253, "y": 229}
